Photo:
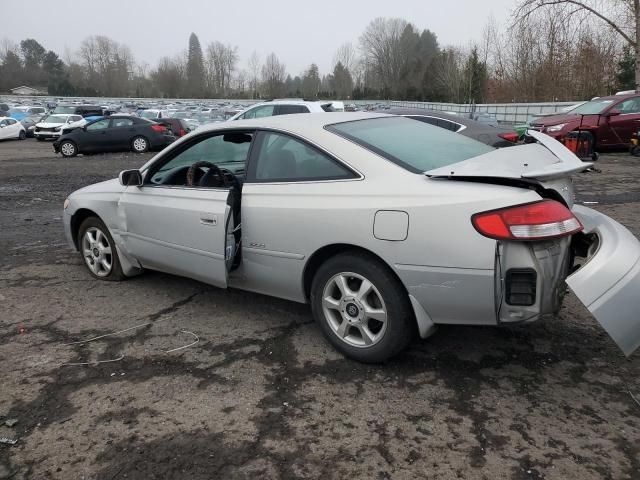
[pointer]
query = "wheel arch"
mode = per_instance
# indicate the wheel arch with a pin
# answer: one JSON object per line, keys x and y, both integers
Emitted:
{"x": 324, "y": 253}
{"x": 77, "y": 218}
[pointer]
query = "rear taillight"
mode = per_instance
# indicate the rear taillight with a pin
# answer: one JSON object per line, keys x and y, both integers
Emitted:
{"x": 532, "y": 221}
{"x": 182, "y": 132}
{"x": 159, "y": 128}
{"x": 510, "y": 136}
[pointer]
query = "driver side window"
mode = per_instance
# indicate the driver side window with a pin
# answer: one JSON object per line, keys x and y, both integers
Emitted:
{"x": 226, "y": 151}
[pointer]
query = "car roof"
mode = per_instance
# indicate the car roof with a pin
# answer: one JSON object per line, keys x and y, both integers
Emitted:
{"x": 618, "y": 97}
{"x": 313, "y": 122}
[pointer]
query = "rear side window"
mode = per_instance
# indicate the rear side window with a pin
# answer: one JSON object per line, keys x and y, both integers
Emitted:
{"x": 259, "y": 112}
{"x": 415, "y": 146}
{"x": 289, "y": 109}
{"x": 286, "y": 159}
{"x": 122, "y": 122}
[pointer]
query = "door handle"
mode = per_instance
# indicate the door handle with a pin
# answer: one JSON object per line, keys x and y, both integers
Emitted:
{"x": 208, "y": 219}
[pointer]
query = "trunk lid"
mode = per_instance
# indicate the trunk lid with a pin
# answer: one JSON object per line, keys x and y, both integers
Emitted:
{"x": 547, "y": 163}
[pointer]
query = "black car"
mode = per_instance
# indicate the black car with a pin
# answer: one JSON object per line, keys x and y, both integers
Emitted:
{"x": 488, "y": 134}
{"x": 84, "y": 110}
{"x": 114, "y": 134}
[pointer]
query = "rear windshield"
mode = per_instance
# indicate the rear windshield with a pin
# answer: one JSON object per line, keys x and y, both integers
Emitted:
{"x": 416, "y": 146}
{"x": 65, "y": 109}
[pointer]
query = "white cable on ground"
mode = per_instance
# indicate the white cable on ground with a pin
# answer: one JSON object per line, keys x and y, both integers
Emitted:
{"x": 109, "y": 334}
{"x": 92, "y": 363}
{"x": 185, "y": 346}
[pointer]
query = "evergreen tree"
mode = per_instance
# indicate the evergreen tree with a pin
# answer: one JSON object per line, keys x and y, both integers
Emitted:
{"x": 626, "y": 71}
{"x": 195, "y": 68}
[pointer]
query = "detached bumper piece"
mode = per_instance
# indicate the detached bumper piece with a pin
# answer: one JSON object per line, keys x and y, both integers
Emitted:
{"x": 608, "y": 283}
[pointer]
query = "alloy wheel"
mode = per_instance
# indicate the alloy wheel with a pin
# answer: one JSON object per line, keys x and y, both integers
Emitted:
{"x": 97, "y": 252}
{"x": 354, "y": 309}
{"x": 139, "y": 144}
{"x": 68, "y": 149}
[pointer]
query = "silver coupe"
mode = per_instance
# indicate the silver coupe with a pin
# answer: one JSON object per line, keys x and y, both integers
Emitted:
{"x": 385, "y": 225}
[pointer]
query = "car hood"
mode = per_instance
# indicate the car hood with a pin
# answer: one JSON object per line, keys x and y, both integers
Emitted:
{"x": 547, "y": 163}
{"x": 556, "y": 119}
{"x": 108, "y": 186}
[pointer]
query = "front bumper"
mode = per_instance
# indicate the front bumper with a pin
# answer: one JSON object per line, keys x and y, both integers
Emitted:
{"x": 608, "y": 283}
{"x": 46, "y": 134}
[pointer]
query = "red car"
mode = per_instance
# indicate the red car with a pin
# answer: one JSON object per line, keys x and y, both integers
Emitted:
{"x": 611, "y": 120}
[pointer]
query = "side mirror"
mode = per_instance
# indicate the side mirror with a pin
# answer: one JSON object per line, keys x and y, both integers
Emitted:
{"x": 130, "y": 178}
{"x": 613, "y": 112}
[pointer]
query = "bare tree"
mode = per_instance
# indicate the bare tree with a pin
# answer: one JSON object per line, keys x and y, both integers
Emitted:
{"x": 346, "y": 55}
{"x": 7, "y": 45}
{"x": 220, "y": 64}
{"x": 382, "y": 46}
{"x": 254, "y": 73}
{"x": 622, "y": 16}
{"x": 273, "y": 76}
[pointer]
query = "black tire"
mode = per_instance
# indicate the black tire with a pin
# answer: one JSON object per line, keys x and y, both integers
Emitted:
{"x": 22, "y": 135}
{"x": 140, "y": 144}
{"x": 635, "y": 151}
{"x": 94, "y": 223}
{"x": 40, "y": 139}
{"x": 400, "y": 324}
{"x": 68, "y": 148}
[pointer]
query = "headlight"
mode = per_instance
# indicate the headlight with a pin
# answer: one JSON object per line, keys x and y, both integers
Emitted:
{"x": 57, "y": 129}
{"x": 66, "y": 203}
{"x": 556, "y": 128}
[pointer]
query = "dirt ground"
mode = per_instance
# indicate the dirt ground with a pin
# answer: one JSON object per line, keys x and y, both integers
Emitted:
{"x": 262, "y": 395}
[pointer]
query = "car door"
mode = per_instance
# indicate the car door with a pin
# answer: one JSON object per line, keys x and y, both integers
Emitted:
{"x": 627, "y": 122}
{"x": 5, "y": 129}
{"x": 284, "y": 211}
{"x": 183, "y": 229}
{"x": 94, "y": 137}
{"x": 120, "y": 132}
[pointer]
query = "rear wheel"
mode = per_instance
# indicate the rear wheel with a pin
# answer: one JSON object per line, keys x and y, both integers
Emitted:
{"x": 362, "y": 308}
{"x": 68, "y": 149}
{"x": 635, "y": 151}
{"x": 140, "y": 145}
{"x": 98, "y": 250}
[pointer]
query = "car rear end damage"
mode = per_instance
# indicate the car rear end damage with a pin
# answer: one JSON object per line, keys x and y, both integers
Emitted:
{"x": 536, "y": 259}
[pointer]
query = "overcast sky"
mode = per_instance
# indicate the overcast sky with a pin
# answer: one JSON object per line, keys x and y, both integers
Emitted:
{"x": 299, "y": 32}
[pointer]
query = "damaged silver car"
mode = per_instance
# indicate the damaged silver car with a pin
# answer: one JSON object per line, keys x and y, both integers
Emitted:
{"x": 386, "y": 226}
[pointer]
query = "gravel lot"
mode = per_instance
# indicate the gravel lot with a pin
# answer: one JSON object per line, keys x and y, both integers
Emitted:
{"x": 262, "y": 395}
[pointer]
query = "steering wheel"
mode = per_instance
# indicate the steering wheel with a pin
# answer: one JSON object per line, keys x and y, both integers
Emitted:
{"x": 229, "y": 179}
{"x": 191, "y": 173}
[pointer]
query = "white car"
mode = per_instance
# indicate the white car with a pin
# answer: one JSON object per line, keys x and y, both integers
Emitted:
{"x": 11, "y": 128}
{"x": 387, "y": 226}
{"x": 282, "y": 107}
{"x": 153, "y": 114}
{"x": 52, "y": 125}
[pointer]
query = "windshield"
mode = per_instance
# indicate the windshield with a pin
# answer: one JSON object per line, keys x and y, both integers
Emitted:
{"x": 63, "y": 109}
{"x": 54, "y": 119}
{"x": 149, "y": 114}
{"x": 416, "y": 146}
{"x": 182, "y": 115}
{"x": 593, "y": 107}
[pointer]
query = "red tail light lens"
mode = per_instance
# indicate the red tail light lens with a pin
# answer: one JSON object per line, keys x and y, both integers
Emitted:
{"x": 159, "y": 128}
{"x": 182, "y": 132}
{"x": 510, "y": 136}
{"x": 532, "y": 221}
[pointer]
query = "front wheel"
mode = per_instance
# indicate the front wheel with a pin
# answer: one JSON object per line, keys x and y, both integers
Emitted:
{"x": 140, "y": 145}
{"x": 22, "y": 135}
{"x": 362, "y": 308}
{"x": 98, "y": 250}
{"x": 68, "y": 149}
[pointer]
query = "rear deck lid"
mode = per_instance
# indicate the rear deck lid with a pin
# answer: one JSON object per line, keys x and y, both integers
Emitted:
{"x": 546, "y": 160}
{"x": 547, "y": 163}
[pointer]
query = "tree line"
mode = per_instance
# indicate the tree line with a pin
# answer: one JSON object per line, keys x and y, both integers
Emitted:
{"x": 552, "y": 51}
